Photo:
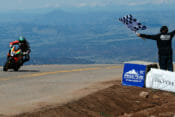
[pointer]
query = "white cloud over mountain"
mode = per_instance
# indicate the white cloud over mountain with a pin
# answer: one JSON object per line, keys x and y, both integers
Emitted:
{"x": 29, "y": 4}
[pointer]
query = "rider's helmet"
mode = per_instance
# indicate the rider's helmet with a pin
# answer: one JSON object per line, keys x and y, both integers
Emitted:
{"x": 22, "y": 39}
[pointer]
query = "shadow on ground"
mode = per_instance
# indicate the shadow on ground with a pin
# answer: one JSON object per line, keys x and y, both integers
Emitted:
{"x": 28, "y": 71}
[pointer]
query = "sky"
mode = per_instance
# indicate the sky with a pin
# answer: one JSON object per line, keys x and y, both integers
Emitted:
{"x": 34, "y": 4}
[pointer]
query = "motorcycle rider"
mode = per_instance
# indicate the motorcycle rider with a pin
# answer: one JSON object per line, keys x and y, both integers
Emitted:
{"x": 24, "y": 46}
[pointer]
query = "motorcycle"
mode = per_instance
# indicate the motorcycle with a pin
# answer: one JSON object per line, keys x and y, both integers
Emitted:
{"x": 14, "y": 59}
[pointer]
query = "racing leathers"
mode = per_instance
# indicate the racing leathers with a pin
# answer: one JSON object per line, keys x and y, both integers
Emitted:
{"x": 25, "y": 47}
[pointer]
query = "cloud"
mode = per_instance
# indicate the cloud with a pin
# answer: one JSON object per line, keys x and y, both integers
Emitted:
{"x": 87, "y": 4}
{"x": 104, "y": 3}
{"x": 51, "y": 5}
{"x": 20, "y": 1}
{"x": 137, "y": 3}
{"x": 164, "y": 2}
{"x": 81, "y": 4}
{"x": 29, "y": 4}
{"x": 153, "y": 2}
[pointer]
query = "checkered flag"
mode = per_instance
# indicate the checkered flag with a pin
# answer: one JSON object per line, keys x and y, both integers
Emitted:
{"x": 132, "y": 23}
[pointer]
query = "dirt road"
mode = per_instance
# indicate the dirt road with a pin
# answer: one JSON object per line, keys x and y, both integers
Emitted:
{"x": 34, "y": 87}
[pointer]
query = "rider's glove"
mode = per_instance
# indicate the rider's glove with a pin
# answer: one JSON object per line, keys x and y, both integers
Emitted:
{"x": 24, "y": 53}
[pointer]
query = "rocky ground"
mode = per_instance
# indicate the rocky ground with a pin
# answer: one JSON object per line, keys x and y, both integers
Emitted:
{"x": 115, "y": 101}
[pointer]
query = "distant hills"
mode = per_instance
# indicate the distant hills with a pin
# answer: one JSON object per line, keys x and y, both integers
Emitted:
{"x": 60, "y": 37}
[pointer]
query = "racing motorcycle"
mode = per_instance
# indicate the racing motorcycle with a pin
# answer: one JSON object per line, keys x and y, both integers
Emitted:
{"x": 14, "y": 59}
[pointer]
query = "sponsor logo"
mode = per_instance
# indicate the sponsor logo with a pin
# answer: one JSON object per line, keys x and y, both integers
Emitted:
{"x": 135, "y": 76}
{"x": 165, "y": 82}
{"x": 165, "y": 37}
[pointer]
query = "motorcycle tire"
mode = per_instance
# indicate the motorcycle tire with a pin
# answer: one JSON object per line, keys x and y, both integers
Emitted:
{"x": 5, "y": 67}
{"x": 16, "y": 68}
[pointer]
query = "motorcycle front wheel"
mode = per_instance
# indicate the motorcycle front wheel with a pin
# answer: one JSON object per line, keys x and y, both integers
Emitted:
{"x": 5, "y": 67}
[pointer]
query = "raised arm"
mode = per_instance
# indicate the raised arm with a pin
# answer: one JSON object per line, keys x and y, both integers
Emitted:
{"x": 14, "y": 43}
{"x": 153, "y": 37}
{"x": 172, "y": 33}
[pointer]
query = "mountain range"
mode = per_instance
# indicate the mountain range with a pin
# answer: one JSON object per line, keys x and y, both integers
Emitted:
{"x": 87, "y": 37}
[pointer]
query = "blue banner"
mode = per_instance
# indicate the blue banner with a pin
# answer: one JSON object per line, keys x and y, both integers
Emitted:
{"x": 134, "y": 75}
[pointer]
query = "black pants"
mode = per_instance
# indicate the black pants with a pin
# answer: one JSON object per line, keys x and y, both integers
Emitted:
{"x": 166, "y": 62}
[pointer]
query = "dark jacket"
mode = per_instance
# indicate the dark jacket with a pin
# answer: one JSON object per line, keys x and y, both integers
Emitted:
{"x": 164, "y": 42}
